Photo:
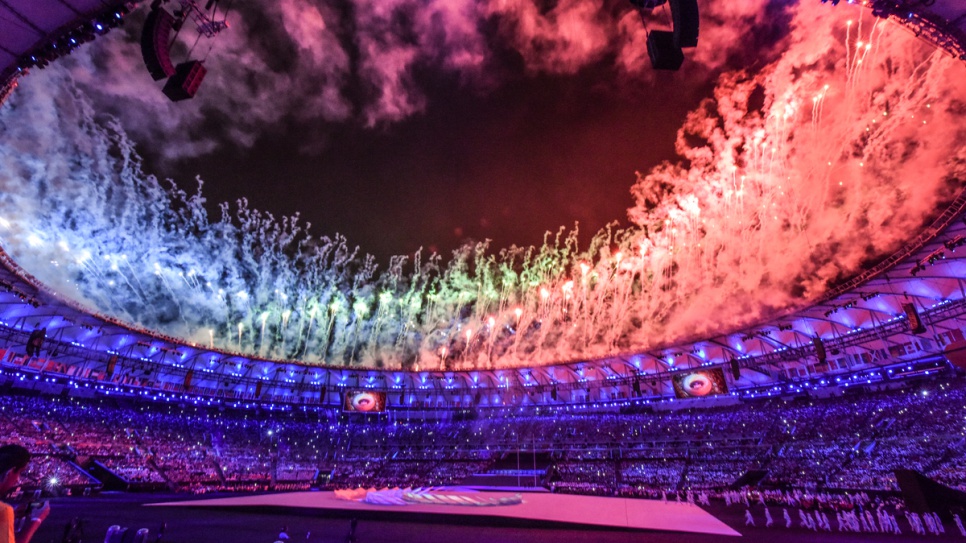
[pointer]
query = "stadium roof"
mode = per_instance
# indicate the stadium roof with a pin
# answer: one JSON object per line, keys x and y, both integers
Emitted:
{"x": 27, "y": 26}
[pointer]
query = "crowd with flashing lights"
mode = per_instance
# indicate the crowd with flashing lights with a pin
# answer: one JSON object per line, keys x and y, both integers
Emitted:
{"x": 844, "y": 443}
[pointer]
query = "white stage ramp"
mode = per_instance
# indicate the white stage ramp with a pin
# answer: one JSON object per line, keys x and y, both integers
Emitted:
{"x": 625, "y": 513}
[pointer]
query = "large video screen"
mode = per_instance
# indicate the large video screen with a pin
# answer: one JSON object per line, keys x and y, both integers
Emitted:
{"x": 364, "y": 401}
{"x": 699, "y": 384}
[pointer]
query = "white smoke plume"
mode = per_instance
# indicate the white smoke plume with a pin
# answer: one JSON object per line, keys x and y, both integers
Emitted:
{"x": 793, "y": 175}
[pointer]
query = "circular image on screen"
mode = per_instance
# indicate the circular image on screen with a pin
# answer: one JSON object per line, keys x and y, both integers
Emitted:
{"x": 364, "y": 401}
{"x": 697, "y": 384}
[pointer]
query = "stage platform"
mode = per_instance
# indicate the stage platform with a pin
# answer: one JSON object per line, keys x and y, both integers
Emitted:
{"x": 543, "y": 508}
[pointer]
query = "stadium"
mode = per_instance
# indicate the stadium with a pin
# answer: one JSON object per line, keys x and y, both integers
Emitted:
{"x": 773, "y": 348}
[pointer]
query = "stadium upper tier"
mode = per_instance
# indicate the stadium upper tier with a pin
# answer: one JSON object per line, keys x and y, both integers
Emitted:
{"x": 35, "y": 33}
{"x": 906, "y": 314}
{"x": 906, "y": 311}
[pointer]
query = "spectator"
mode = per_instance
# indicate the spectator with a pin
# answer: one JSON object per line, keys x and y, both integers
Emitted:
{"x": 13, "y": 460}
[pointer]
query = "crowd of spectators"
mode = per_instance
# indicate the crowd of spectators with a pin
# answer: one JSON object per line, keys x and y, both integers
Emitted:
{"x": 850, "y": 442}
{"x": 52, "y": 471}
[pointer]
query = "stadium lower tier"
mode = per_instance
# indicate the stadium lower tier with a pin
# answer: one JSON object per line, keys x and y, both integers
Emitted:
{"x": 845, "y": 442}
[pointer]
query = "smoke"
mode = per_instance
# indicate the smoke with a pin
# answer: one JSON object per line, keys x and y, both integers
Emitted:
{"x": 856, "y": 140}
{"x": 317, "y": 63}
{"x": 796, "y": 174}
{"x": 565, "y": 39}
{"x": 247, "y": 88}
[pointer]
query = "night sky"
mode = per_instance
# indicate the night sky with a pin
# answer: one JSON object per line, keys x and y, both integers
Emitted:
{"x": 529, "y": 158}
{"x": 506, "y": 162}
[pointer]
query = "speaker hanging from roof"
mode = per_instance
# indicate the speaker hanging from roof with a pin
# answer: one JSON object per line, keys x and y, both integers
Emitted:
{"x": 663, "y": 53}
{"x": 187, "y": 379}
{"x": 156, "y": 44}
{"x": 684, "y": 18}
{"x": 915, "y": 323}
{"x": 819, "y": 349}
{"x": 185, "y": 82}
{"x": 664, "y": 48}
{"x": 36, "y": 341}
{"x": 111, "y": 364}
